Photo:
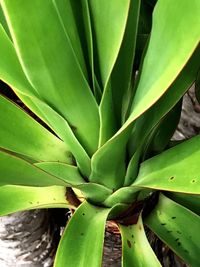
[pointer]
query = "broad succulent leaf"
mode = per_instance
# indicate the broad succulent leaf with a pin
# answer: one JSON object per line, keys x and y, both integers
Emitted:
{"x": 177, "y": 227}
{"x": 136, "y": 250}
{"x": 191, "y": 202}
{"x": 83, "y": 234}
{"x": 151, "y": 80}
{"x": 169, "y": 170}
{"x": 106, "y": 80}
{"x": 16, "y": 171}
{"x": 51, "y": 65}
{"x": 29, "y": 138}
{"x": 18, "y": 198}
{"x": 145, "y": 123}
{"x": 94, "y": 192}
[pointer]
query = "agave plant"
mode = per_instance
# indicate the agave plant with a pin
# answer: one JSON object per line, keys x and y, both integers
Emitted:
{"x": 106, "y": 78}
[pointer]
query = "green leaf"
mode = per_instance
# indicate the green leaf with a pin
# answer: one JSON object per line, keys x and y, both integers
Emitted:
{"x": 22, "y": 134}
{"x": 109, "y": 161}
{"x": 176, "y": 169}
{"x": 10, "y": 69}
{"x": 11, "y": 73}
{"x": 52, "y": 67}
{"x": 162, "y": 132}
{"x": 84, "y": 234}
{"x": 63, "y": 130}
{"x": 109, "y": 21}
{"x": 15, "y": 171}
{"x": 191, "y": 202}
{"x": 108, "y": 35}
{"x": 18, "y": 198}
{"x": 157, "y": 74}
{"x": 67, "y": 173}
{"x": 3, "y": 22}
{"x": 122, "y": 72}
{"x": 177, "y": 227}
{"x": 95, "y": 193}
{"x": 68, "y": 20}
{"x": 16, "y": 79}
{"x": 125, "y": 195}
{"x": 136, "y": 250}
{"x": 145, "y": 123}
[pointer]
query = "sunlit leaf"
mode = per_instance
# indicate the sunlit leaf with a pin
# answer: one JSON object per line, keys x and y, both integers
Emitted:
{"x": 18, "y": 198}
{"x": 84, "y": 234}
{"x": 136, "y": 250}
{"x": 174, "y": 170}
{"x": 15, "y": 171}
{"x": 51, "y": 65}
{"x": 22, "y": 134}
{"x": 178, "y": 228}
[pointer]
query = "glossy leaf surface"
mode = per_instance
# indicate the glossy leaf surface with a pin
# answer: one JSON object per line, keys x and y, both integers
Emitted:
{"x": 10, "y": 69}
{"x": 18, "y": 198}
{"x": 83, "y": 234}
{"x": 157, "y": 74}
{"x": 63, "y": 130}
{"x": 153, "y": 84}
{"x": 178, "y": 228}
{"x": 96, "y": 193}
{"x": 51, "y": 66}
{"x": 174, "y": 170}
{"x": 191, "y": 202}
{"x": 136, "y": 250}
{"x": 15, "y": 171}
{"x": 109, "y": 20}
{"x": 68, "y": 7}
{"x": 22, "y": 134}
{"x": 145, "y": 124}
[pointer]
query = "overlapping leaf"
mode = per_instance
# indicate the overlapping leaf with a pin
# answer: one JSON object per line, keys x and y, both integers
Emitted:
{"x": 22, "y": 134}
{"x": 86, "y": 229}
{"x": 178, "y": 228}
{"x": 15, "y": 171}
{"x": 95, "y": 193}
{"x": 157, "y": 74}
{"x": 52, "y": 67}
{"x": 136, "y": 250}
{"x": 169, "y": 170}
{"x": 18, "y": 198}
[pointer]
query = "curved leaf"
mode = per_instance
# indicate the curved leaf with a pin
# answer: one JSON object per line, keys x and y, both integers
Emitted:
{"x": 18, "y": 198}
{"x": 52, "y": 67}
{"x": 122, "y": 72}
{"x": 84, "y": 234}
{"x": 177, "y": 227}
{"x": 22, "y": 134}
{"x": 11, "y": 73}
{"x": 15, "y": 171}
{"x": 109, "y": 21}
{"x": 157, "y": 74}
{"x": 63, "y": 130}
{"x": 136, "y": 250}
{"x": 95, "y": 193}
{"x": 176, "y": 169}
{"x": 66, "y": 14}
{"x": 191, "y": 202}
{"x": 144, "y": 125}
{"x": 10, "y": 69}
{"x": 125, "y": 195}
{"x": 22, "y": 88}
